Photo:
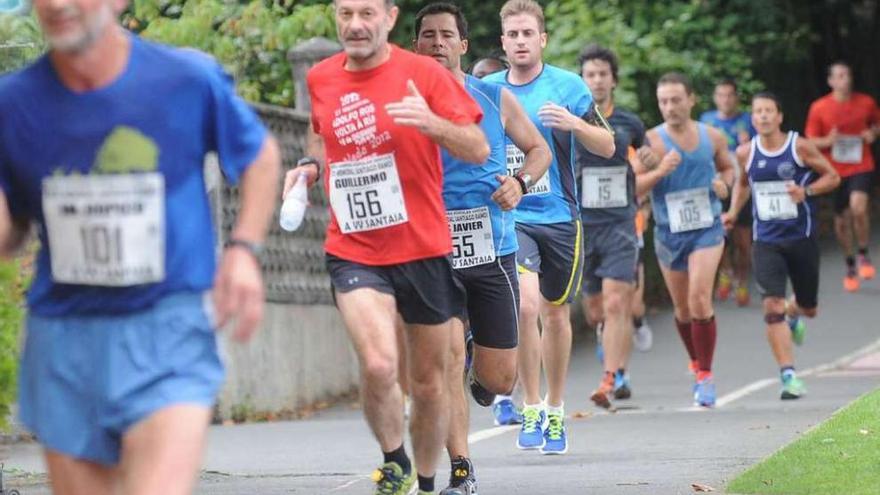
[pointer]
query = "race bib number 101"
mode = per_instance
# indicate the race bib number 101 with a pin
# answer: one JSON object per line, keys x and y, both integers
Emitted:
{"x": 366, "y": 194}
{"x": 106, "y": 230}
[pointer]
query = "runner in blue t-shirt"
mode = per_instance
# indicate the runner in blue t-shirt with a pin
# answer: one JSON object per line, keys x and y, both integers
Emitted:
{"x": 102, "y": 145}
{"x": 783, "y": 172}
{"x": 737, "y": 129}
{"x": 479, "y": 201}
{"x": 686, "y": 186}
{"x": 550, "y": 253}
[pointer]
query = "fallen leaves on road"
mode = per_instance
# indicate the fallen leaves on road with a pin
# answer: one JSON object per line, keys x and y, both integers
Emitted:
{"x": 701, "y": 488}
{"x": 581, "y": 414}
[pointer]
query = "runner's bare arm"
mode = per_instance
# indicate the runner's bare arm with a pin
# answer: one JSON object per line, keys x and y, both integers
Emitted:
{"x": 595, "y": 139}
{"x": 741, "y": 190}
{"x": 828, "y": 179}
{"x": 723, "y": 164}
{"x": 314, "y": 149}
{"x": 463, "y": 141}
{"x": 526, "y": 137}
{"x": 12, "y": 232}
{"x": 238, "y": 286}
{"x": 654, "y": 167}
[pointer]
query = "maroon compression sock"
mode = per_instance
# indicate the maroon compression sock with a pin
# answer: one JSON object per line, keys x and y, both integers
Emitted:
{"x": 684, "y": 331}
{"x": 704, "y": 333}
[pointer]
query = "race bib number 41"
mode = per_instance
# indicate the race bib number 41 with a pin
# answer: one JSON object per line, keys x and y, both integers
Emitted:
{"x": 604, "y": 187}
{"x": 847, "y": 149}
{"x": 773, "y": 201}
{"x": 689, "y": 210}
{"x": 472, "y": 240}
{"x": 515, "y": 161}
{"x": 366, "y": 194}
{"x": 106, "y": 230}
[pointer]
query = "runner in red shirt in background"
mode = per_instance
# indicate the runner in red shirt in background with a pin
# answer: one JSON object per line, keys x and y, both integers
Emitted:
{"x": 843, "y": 124}
{"x": 378, "y": 116}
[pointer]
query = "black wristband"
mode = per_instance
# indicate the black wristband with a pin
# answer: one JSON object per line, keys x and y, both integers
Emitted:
{"x": 252, "y": 247}
{"x": 522, "y": 184}
{"x": 308, "y": 160}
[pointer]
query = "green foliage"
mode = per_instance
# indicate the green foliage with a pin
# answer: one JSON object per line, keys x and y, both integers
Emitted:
{"x": 11, "y": 315}
{"x": 705, "y": 39}
{"x": 250, "y": 38}
{"x": 838, "y": 456}
{"x": 20, "y": 41}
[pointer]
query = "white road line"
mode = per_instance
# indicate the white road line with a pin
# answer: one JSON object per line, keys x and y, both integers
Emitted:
{"x": 766, "y": 382}
{"x": 348, "y": 484}
{"x": 479, "y": 436}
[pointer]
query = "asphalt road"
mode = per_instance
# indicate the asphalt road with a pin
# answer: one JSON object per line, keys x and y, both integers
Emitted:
{"x": 657, "y": 443}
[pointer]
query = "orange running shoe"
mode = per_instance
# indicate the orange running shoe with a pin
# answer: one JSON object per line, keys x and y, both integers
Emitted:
{"x": 602, "y": 395}
{"x": 743, "y": 298}
{"x": 866, "y": 269}
{"x": 724, "y": 284}
{"x": 851, "y": 280}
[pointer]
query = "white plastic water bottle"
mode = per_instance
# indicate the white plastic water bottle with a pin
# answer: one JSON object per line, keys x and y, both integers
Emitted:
{"x": 294, "y": 207}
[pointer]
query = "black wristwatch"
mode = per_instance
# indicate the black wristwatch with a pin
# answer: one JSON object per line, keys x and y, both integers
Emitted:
{"x": 308, "y": 160}
{"x": 254, "y": 248}
{"x": 525, "y": 182}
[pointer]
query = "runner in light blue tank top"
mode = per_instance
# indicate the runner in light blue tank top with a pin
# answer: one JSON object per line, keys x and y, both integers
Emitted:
{"x": 467, "y": 188}
{"x": 688, "y": 238}
{"x": 695, "y": 173}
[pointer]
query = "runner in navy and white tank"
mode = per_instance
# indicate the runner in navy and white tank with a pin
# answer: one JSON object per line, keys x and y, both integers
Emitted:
{"x": 783, "y": 172}
{"x": 479, "y": 201}
{"x": 608, "y": 210}
{"x": 688, "y": 237}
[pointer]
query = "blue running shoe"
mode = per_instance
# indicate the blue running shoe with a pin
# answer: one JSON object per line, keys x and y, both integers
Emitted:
{"x": 600, "y": 352}
{"x": 469, "y": 351}
{"x": 621, "y": 386}
{"x": 531, "y": 435}
{"x": 798, "y": 329}
{"x": 506, "y": 413}
{"x": 555, "y": 441}
{"x": 704, "y": 394}
{"x": 792, "y": 387}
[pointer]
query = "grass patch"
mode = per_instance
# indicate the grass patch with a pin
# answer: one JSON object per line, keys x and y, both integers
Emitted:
{"x": 840, "y": 456}
{"x": 11, "y": 315}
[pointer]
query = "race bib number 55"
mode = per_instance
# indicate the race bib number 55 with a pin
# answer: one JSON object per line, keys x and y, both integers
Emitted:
{"x": 106, "y": 230}
{"x": 366, "y": 195}
{"x": 472, "y": 240}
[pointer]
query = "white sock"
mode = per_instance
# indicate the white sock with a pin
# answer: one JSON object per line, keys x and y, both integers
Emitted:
{"x": 499, "y": 398}
{"x": 560, "y": 409}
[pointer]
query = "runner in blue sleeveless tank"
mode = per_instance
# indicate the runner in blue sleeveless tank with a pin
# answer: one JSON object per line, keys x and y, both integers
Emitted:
{"x": 608, "y": 211}
{"x": 783, "y": 173}
{"x": 102, "y": 144}
{"x": 550, "y": 255}
{"x": 737, "y": 128}
{"x": 688, "y": 237}
{"x": 479, "y": 201}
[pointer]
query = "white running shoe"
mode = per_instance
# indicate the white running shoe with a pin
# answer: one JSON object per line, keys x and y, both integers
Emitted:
{"x": 643, "y": 338}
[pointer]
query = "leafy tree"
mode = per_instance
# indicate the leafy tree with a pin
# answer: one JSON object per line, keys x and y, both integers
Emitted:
{"x": 20, "y": 41}
{"x": 251, "y": 38}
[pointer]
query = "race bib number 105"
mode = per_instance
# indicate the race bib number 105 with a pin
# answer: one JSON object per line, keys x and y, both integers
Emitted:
{"x": 106, "y": 230}
{"x": 366, "y": 194}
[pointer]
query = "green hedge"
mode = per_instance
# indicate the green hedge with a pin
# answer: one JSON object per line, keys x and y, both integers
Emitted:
{"x": 12, "y": 281}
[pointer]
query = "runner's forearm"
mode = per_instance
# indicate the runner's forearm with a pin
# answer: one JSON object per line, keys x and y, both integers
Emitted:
{"x": 595, "y": 139}
{"x": 465, "y": 142}
{"x": 259, "y": 186}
